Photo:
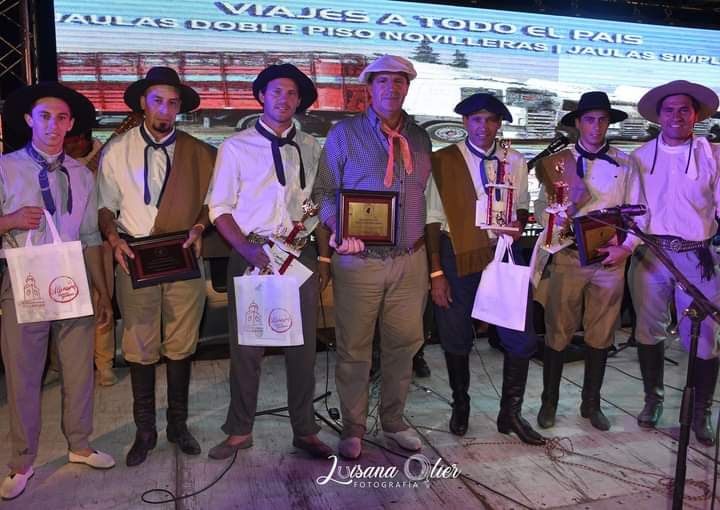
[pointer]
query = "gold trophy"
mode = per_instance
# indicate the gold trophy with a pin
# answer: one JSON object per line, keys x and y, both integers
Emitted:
{"x": 557, "y": 237}
{"x": 291, "y": 245}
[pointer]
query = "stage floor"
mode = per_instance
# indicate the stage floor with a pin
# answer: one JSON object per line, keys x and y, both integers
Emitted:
{"x": 622, "y": 468}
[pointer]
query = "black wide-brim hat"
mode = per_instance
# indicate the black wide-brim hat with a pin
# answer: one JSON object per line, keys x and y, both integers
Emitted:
{"x": 20, "y": 102}
{"x": 306, "y": 87}
{"x": 483, "y": 101}
{"x": 189, "y": 99}
{"x": 595, "y": 100}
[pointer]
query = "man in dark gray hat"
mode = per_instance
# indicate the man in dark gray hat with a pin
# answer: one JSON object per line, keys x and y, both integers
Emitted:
{"x": 156, "y": 178}
{"x": 459, "y": 251}
{"x": 36, "y": 177}
{"x": 262, "y": 183}
{"x": 591, "y": 293}
{"x": 677, "y": 175}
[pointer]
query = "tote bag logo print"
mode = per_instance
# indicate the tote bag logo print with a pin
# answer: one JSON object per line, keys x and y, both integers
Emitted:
{"x": 31, "y": 293}
{"x": 63, "y": 289}
{"x": 280, "y": 320}
{"x": 253, "y": 319}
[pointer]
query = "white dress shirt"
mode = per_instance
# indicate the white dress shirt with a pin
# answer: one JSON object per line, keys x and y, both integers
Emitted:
{"x": 245, "y": 184}
{"x": 517, "y": 168}
{"x": 679, "y": 204}
{"x": 121, "y": 181}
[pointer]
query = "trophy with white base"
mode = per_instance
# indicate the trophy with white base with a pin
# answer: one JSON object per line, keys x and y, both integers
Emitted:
{"x": 494, "y": 211}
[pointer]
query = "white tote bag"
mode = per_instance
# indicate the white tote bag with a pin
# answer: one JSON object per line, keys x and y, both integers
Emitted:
{"x": 49, "y": 281}
{"x": 501, "y": 298}
{"x": 268, "y": 310}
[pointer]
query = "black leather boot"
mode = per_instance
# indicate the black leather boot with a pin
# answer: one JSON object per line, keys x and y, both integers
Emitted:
{"x": 458, "y": 366}
{"x": 515, "y": 371}
{"x": 178, "y": 384}
{"x": 142, "y": 379}
{"x": 652, "y": 368}
{"x": 552, "y": 373}
{"x": 706, "y": 375}
{"x": 595, "y": 361}
{"x": 420, "y": 366}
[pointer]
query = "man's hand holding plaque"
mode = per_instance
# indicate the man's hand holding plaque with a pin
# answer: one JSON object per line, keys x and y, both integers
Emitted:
{"x": 364, "y": 218}
{"x": 195, "y": 239}
{"x": 121, "y": 252}
{"x": 158, "y": 259}
{"x": 616, "y": 254}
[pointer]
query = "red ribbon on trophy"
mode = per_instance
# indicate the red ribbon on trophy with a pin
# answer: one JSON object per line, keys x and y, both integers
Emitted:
{"x": 557, "y": 208}
{"x": 500, "y": 195}
{"x": 290, "y": 244}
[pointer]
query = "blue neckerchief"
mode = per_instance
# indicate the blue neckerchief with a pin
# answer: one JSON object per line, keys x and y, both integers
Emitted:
{"x": 275, "y": 143}
{"x": 151, "y": 144}
{"x": 43, "y": 177}
{"x": 483, "y": 158}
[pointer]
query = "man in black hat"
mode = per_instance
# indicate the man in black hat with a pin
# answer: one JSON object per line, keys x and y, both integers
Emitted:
{"x": 260, "y": 190}
{"x": 155, "y": 177}
{"x": 593, "y": 292}
{"x": 459, "y": 251}
{"x": 38, "y": 176}
{"x": 677, "y": 176}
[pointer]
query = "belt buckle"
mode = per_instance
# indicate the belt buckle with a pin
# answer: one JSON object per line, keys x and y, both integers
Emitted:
{"x": 676, "y": 245}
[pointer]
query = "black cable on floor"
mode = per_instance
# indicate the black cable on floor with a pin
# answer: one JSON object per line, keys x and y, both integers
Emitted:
{"x": 404, "y": 456}
{"x": 173, "y": 498}
{"x": 632, "y": 376}
{"x": 333, "y": 424}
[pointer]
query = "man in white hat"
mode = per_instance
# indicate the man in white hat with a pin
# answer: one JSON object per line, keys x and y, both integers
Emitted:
{"x": 677, "y": 175}
{"x": 379, "y": 150}
{"x": 41, "y": 175}
{"x": 590, "y": 293}
{"x": 155, "y": 177}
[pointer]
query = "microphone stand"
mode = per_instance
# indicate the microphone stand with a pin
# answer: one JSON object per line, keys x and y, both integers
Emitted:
{"x": 700, "y": 308}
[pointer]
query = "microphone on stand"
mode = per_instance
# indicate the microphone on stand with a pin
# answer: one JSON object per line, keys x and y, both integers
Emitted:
{"x": 559, "y": 142}
{"x": 625, "y": 209}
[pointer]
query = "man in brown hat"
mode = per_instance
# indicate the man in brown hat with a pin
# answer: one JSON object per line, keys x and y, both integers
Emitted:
{"x": 677, "y": 175}
{"x": 155, "y": 178}
{"x": 593, "y": 292}
{"x": 38, "y": 176}
{"x": 262, "y": 183}
{"x": 383, "y": 150}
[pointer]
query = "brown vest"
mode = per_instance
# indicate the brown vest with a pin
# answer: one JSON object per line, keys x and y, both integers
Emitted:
{"x": 187, "y": 185}
{"x": 471, "y": 244}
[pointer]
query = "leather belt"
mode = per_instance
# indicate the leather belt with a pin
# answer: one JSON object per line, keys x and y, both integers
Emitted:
{"x": 378, "y": 252}
{"x": 678, "y": 244}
